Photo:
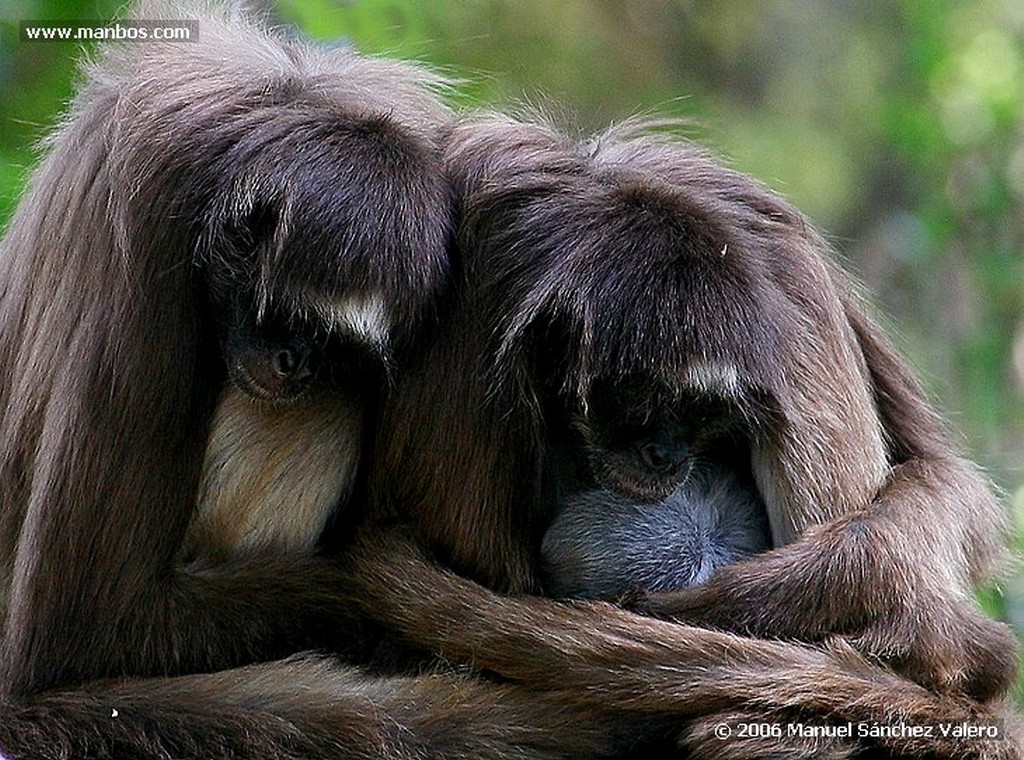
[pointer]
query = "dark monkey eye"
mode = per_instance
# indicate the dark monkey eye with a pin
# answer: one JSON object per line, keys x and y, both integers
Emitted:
{"x": 286, "y": 362}
{"x": 660, "y": 458}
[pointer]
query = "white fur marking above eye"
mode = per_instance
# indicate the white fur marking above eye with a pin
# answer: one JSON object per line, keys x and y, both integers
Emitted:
{"x": 713, "y": 377}
{"x": 363, "y": 316}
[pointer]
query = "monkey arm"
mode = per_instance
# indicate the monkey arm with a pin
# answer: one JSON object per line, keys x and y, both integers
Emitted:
{"x": 602, "y": 654}
{"x": 848, "y": 577}
{"x": 893, "y": 576}
{"x": 97, "y": 588}
{"x": 308, "y": 708}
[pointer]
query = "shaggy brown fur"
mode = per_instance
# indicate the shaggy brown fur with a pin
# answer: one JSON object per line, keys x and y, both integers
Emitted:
{"x": 194, "y": 188}
{"x": 195, "y": 191}
{"x": 669, "y": 677}
{"x": 634, "y": 259}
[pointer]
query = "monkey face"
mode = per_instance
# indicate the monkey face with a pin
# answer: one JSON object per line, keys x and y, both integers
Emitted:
{"x": 642, "y": 440}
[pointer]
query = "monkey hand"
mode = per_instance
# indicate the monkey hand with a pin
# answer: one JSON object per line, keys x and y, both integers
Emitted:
{"x": 945, "y": 645}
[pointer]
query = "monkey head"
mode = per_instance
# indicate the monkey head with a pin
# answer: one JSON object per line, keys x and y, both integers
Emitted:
{"x": 344, "y": 245}
{"x": 324, "y": 255}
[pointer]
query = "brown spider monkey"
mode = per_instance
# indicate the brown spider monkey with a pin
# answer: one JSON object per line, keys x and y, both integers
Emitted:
{"x": 202, "y": 204}
{"x": 111, "y": 328}
{"x": 637, "y": 261}
{"x": 598, "y": 416}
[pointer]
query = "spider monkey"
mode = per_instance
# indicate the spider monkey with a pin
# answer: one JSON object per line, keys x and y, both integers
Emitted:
{"x": 203, "y": 213}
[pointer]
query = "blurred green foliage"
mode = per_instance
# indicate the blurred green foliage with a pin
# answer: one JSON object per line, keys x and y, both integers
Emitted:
{"x": 898, "y": 127}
